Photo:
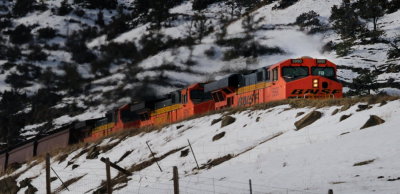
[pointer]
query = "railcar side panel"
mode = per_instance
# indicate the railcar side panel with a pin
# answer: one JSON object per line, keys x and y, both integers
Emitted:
{"x": 53, "y": 142}
{"x": 2, "y": 162}
{"x": 21, "y": 154}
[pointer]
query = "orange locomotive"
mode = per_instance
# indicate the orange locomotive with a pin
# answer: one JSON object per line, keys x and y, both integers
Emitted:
{"x": 293, "y": 78}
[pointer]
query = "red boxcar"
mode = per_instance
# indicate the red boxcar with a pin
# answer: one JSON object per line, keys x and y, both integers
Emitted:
{"x": 52, "y": 142}
{"x": 21, "y": 154}
{"x": 2, "y": 161}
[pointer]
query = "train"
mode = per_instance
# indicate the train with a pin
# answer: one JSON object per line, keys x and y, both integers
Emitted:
{"x": 303, "y": 77}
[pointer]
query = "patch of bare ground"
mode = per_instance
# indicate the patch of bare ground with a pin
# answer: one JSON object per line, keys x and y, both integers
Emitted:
{"x": 124, "y": 156}
{"x": 68, "y": 183}
{"x": 337, "y": 182}
{"x": 217, "y": 161}
{"x": 147, "y": 163}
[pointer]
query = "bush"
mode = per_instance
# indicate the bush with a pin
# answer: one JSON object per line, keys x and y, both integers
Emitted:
{"x": 47, "y": 33}
{"x": 80, "y": 53}
{"x": 22, "y": 7}
{"x": 283, "y": 4}
{"x": 202, "y": 4}
{"x": 95, "y": 4}
{"x": 344, "y": 48}
{"x": 310, "y": 22}
{"x": 37, "y": 54}
{"x": 79, "y": 12}
{"x": 308, "y": 19}
{"x": 13, "y": 53}
{"x": 5, "y": 23}
{"x": 251, "y": 49}
{"x": 64, "y": 9}
{"x": 21, "y": 35}
{"x": 393, "y": 6}
{"x": 210, "y": 53}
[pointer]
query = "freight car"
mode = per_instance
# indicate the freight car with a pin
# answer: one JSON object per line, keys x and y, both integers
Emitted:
{"x": 45, "y": 143}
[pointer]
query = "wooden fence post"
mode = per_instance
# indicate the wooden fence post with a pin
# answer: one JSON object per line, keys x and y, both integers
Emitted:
{"x": 330, "y": 191}
{"x": 194, "y": 156}
{"x": 176, "y": 180}
{"x": 154, "y": 157}
{"x": 251, "y": 189}
{"x": 108, "y": 173}
{"x": 48, "y": 184}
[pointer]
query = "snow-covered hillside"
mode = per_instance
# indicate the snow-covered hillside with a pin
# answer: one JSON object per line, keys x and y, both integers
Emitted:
{"x": 128, "y": 55}
{"x": 263, "y": 145}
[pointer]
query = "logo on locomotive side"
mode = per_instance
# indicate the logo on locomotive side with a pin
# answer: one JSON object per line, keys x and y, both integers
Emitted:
{"x": 314, "y": 91}
{"x": 248, "y": 100}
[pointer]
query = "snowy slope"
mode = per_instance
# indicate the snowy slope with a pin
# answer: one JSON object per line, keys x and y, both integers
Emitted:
{"x": 265, "y": 148}
{"x": 274, "y": 28}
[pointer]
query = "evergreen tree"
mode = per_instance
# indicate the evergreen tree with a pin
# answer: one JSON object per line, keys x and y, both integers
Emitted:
{"x": 22, "y": 7}
{"x": 64, "y": 9}
{"x": 364, "y": 83}
{"x": 371, "y": 10}
{"x": 72, "y": 80}
{"x": 345, "y": 20}
{"x": 100, "y": 19}
{"x": 21, "y": 34}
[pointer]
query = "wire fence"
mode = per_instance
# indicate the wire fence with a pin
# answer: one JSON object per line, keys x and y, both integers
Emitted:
{"x": 152, "y": 181}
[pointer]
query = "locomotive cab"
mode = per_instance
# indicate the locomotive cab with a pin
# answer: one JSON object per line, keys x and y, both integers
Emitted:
{"x": 310, "y": 78}
{"x": 223, "y": 91}
{"x": 196, "y": 101}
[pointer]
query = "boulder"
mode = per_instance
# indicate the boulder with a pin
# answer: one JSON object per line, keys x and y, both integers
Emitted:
{"x": 308, "y": 119}
{"x": 343, "y": 117}
{"x": 218, "y": 136}
{"x": 373, "y": 121}
{"x": 227, "y": 120}
{"x": 215, "y": 121}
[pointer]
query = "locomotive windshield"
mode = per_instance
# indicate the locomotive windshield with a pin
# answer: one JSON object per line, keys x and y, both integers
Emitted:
{"x": 323, "y": 71}
{"x": 294, "y": 72}
{"x": 198, "y": 96}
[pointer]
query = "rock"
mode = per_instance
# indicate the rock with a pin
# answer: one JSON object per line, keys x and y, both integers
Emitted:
{"x": 343, "y": 117}
{"x": 227, "y": 120}
{"x": 93, "y": 153}
{"x": 373, "y": 121}
{"x": 75, "y": 166}
{"x": 257, "y": 119}
{"x": 335, "y": 111}
{"x": 184, "y": 153}
{"x": 308, "y": 119}
{"x": 299, "y": 114}
{"x": 215, "y": 121}
{"x": 218, "y": 136}
{"x": 362, "y": 107}
{"x": 31, "y": 189}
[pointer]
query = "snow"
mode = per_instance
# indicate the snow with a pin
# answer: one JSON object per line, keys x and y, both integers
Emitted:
{"x": 314, "y": 159}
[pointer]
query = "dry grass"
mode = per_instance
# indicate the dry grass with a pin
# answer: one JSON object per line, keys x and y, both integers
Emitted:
{"x": 364, "y": 162}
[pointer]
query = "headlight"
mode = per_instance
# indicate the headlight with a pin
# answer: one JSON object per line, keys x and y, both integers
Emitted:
{"x": 315, "y": 83}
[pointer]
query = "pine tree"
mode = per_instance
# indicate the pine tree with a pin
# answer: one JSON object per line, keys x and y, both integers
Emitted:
{"x": 100, "y": 19}
{"x": 364, "y": 83}
{"x": 22, "y": 7}
{"x": 371, "y": 10}
{"x": 345, "y": 20}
